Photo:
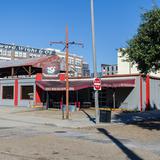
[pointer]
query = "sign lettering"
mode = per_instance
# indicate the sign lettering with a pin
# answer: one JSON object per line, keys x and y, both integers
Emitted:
{"x": 26, "y": 49}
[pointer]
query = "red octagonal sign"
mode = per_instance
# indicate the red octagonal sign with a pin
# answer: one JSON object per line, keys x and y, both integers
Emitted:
{"x": 97, "y": 84}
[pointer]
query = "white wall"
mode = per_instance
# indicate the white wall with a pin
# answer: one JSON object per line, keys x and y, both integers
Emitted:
{"x": 127, "y": 68}
{"x": 154, "y": 94}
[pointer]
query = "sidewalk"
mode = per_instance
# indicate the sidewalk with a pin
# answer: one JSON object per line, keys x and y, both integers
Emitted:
{"x": 79, "y": 119}
{"x": 29, "y": 116}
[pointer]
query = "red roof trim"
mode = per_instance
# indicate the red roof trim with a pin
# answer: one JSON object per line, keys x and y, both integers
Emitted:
{"x": 122, "y": 75}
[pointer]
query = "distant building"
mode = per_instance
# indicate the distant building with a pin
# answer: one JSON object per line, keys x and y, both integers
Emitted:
{"x": 99, "y": 75}
{"x": 125, "y": 67}
{"x": 85, "y": 70}
{"x": 77, "y": 66}
{"x": 107, "y": 69}
{"x": 13, "y": 52}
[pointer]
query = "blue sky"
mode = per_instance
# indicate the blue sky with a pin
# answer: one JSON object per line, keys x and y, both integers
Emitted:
{"x": 36, "y": 22}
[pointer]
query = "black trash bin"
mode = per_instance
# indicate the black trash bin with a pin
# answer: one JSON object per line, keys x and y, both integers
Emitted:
{"x": 105, "y": 116}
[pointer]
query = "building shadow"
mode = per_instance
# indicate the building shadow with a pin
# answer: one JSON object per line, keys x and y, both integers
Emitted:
{"x": 147, "y": 120}
{"x": 148, "y": 124}
{"x": 129, "y": 153}
{"x": 89, "y": 116}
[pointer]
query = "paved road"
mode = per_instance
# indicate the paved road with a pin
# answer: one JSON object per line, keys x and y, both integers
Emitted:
{"x": 28, "y": 136}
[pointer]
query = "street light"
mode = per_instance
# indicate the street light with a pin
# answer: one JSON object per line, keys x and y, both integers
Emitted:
{"x": 94, "y": 61}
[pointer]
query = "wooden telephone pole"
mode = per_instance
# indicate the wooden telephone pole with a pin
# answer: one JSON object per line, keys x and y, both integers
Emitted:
{"x": 66, "y": 44}
{"x": 67, "y": 76}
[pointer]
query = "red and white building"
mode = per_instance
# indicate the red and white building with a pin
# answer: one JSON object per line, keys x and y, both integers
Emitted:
{"x": 29, "y": 82}
{"x": 34, "y": 80}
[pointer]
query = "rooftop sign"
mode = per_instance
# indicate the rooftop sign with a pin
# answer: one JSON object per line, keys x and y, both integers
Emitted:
{"x": 26, "y": 49}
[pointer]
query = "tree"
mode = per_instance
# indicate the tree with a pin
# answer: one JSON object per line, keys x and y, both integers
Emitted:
{"x": 144, "y": 48}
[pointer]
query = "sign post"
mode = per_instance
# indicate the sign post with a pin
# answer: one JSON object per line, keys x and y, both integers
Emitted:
{"x": 94, "y": 61}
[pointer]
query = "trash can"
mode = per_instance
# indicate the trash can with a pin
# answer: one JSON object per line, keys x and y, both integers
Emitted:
{"x": 105, "y": 116}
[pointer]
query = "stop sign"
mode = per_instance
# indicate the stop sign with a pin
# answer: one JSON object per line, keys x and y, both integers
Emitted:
{"x": 97, "y": 84}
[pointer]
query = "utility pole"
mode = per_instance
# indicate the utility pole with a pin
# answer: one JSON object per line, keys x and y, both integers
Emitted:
{"x": 67, "y": 79}
{"x": 67, "y": 44}
{"x": 94, "y": 61}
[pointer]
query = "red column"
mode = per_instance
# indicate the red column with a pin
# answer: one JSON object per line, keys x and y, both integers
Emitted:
{"x": 141, "y": 94}
{"x": 38, "y": 90}
{"x": 147, "y": 92}
{"x": 16, "y": 92}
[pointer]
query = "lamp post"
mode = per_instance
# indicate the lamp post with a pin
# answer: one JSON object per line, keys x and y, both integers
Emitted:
{"x": 94, "y": 61}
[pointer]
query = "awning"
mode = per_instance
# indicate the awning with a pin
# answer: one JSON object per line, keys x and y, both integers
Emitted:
{"x": 55, "y": 85}
{"x": 61, "y": 85}
{"x": 118, "y": 83}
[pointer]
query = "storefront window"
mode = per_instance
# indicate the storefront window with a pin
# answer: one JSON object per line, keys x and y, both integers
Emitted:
{"x": 7, "y": 92}
{"x": 27, "y": 92}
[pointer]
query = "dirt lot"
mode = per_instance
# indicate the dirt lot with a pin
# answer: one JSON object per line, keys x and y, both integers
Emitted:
{"x": 22, "y": 139}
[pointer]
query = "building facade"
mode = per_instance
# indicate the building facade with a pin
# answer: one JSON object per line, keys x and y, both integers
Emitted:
{"x": 85, "y": 69}
{"x": 31, "y": 82}
{"x": 107, "y": 69}
{"x": 125, "y": 67}
{"x": 77, "y": 67}
{"x": 11, "y": 52}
